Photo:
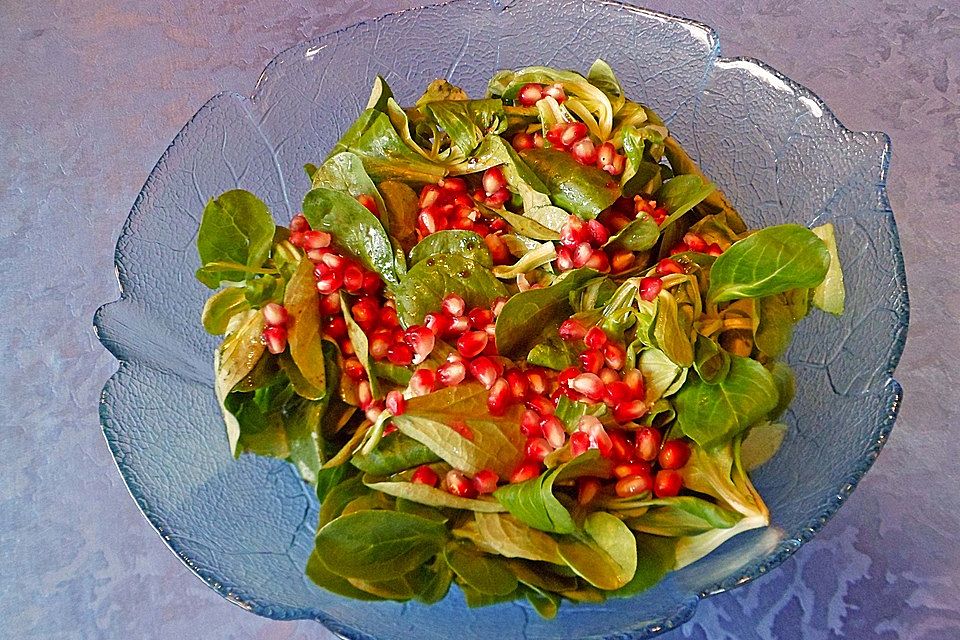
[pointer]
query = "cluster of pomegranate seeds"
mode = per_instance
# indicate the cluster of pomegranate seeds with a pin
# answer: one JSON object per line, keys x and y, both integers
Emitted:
{"x": 532, "y": 93}
{"x": 449, "y": 205}
{"x": 574, "y": 138}
{"x": 275, "y": 330}
{"x": 693, "y": 242}
{"x": 581, "y": 245}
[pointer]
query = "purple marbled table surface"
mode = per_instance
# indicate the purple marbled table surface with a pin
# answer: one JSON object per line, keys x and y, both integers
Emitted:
{"x": 91, "y": 94}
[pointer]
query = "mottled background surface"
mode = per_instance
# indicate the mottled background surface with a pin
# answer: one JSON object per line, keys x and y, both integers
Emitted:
{"x": 91, "y": 94}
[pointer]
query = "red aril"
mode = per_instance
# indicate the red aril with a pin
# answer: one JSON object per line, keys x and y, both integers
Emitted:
{"x": 591, "y": 361}
{"x": 553, "y": 431}
{"x": 538, "y": 141}
{"x": 369, "y": 203}
{"x": 527, "y": 470}
{"x": 484, "y": 370}
{"x": 556, "y": 92}
{"x": 379, "y": 343}
{"x": 454, "y": 185}
{"x": 372, "y": 283}
{"x": 530, "y": 94}
{"x": 590, "y": 385}
{"x": 595, "y": 338}
{"x": 617, "y": 392}
{"x": 650, "y": 288}
{"x": 346, "y": 347}
{"x": 453, "y": 305}
{"x": 425, "y": 475}
{"x": 498, "y": 249}
{"x": 618, "y": 165}
{"x": 422, "y": 382}
{"x": 680, "y": 247}
{"x": 598, "y": 261}
{"x": 352, "y": 278}
{"x": 314, "y": 239}
{"x": 275, "y": 314}
{"x": 555, "y": 134}
{"x": 519, "y": 387}
{"x": 574, "y": 232}
{"x": 522, "y": 141}
{"x": 668, "y": 266}
{"x": 364, "y": 395}
{"x": 567, "y": 375}
{"x": 493, "y": 180}
{"x": 634, "y": 485}
{"x": 634, "y": 380}
{"x": 275, "y": 337}
{"x": 330, "y": 304}
{"x": 458, "y": 325}
{"x": 498, "y": 398}
{"x": 459, "y": 485}
{"x": 299, "y": 223}
{"x": 438, "y": 323}
{"x": 579, "y": 443}
{"x": 629, "y": 410}
{"x": 573, "y": 132}
{"x": 451, "y": 374}
{"x": 605, "y": 155}
{"x": 498, "y": 198}
{"x": 572, "y": 329}
{"x": 667, "y": 483}
{"x": 430, "y": 195}
{"x": 584, "y": 152}
{"x": 626, "y": 469}
{"x": 354, "y": 370}
{"x": 396, "y": 403}
{"x": 428, "y": 223}
{"x": 485, "y": 481}
{"x": 480, "y": 317}
{"x": 621, "y": 260}
{"x": 674, "y": 454}
{"x": 608, "y": 375}
{"x": 530, "y": 424}
{"x": 582, "y": 253}
{"x": 622, "y": 448}
{"x": 587, "y": 490}
{"x": 400, "y": 354}
{"x": 714, "y": 250}
{"x": 472, "y": 343}
{"x": 329, "y": 282}
{"x": 614, "y": 355}
{"x": 599, "y": 438}
{"x": 537, "y": 380}
{"x": 599, "y": 234}
{"x": 694, "y": 242}
{"x": 421, "y": 340}
{"x": 541, "y": 404}
{"x": 648, "y": 443}
{"x": 564, "y": 259}
{"x": 366, "y": 313}
{"x": 537, "y": 449}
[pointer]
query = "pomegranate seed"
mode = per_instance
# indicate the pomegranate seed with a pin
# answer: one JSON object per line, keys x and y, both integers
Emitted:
{"x": 390, "y": 428}
{"x": 451, "y": 374}
{"x": 354, "y": 370}
{"x": 519, "y": 387}
{"x": 372, "y": 283}
{"x": 674, "y": 454}
{"x": 346, "y": 347}
{"x": 480, "y": 317}
{"x": 627, "y": 469}
{"x": 329, "y": 283}
{"x": 554, "y": 431}
{"x": 368, "y": 202}
{"x": 498, "y": 398}
{"x": 373, "y": 411}
{"x": 366, "y": 313}
{"x": 619, "y": 164}
{"x": 605, "y": 154}
{"x": 522, "y": 141}
{"x": 634, "y": 380}
{"x": 400, "y": 354}
{"x": 453, "y": 305}
{"x": 564, "y": 259}
{"x": 571, "y": 329}
{"x": 438, "y": 323}
{"x": 595, "y": 338}
{"x": 429, "y": 195}
{"x": 598, "y": 261}
{"x": 299, "y": 223}
{"x": 634, "y": 485}
{"x": 667, "y": 483}
{"x": 353, "y": 278}
{"x": 422, "y": 382}
{"x": 498, "y": 249}
{"x": 459, "y": 485}
{"x": 614, "y": 355}
{"x": 579, "y": 443}
{"x": 555, "y": 134}
{"x": 388, "y": 317}
{"x": 498, "y": 305}
{"x": 471, "y": 343}
{"x": 617, "y": 392}
{"x": 530, "y": 94}
{"x": 427, "y": 223}
{"x": 530, "y": 424}
{"x": 458, "y": 325}
{"x": 380, "y": 342}
{"x": 527, "y": 470}
{"x": 668, "y": 266}
{"x": 584, "y": 152}
{"x": 485, "y": 481}
{"x": 541, "y": 405}
{"x": 538, "y": 141}
{"x": 591, "y": 361}
{"x": 364, "y": 395}
{"x": 599, "y": 234}
{"x": 599, "y": 438}
{"x": 622, "y": 448}
{"x": 275, "y": 314}
{"x": 567, "y": 375}
{"x": 538, "y": 449}
{"x": 574, "y": 232}
{"x": 396, "y": 403}
{"x": 425, "y": 475}
{"x": 648, "y": 443}
{"x": 582, "y": 254}
{"x": 714, "y": 250}
{"x": 493, "y": 180}
{"x": 537, "y": 380}
{"x": 456, "y": 185}
{"x": 573, "y": 132}
{"x": 680, "y": 247}
{"x": 695, "y": 242}
{"x": 498, "y": 198}
{"x": 421, "y": 340}
{"x": 275, "y": 338}
{"x": 650, "y": 288}
{"x": 629, "y": 411}
{"x": 463, "y": 429}
{"x": 622, "y": 260}
{"x": 556, "y": 92}
{"x": 587, "y": 490}
{"x": 314, "y": 239}
{"x": 608, "y": 376}
{"x": 617, "y": 222}
{"x": 330, "y": 304}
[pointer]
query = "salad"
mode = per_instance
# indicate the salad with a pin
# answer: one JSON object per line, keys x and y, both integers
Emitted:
{"x": 518, "y": 343}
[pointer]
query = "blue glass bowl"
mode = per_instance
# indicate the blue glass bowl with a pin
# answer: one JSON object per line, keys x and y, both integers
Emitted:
{"x": 246, "y": 526}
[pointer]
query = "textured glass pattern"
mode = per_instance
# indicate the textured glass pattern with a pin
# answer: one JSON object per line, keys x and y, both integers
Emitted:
{"x": 246, "y": 526}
